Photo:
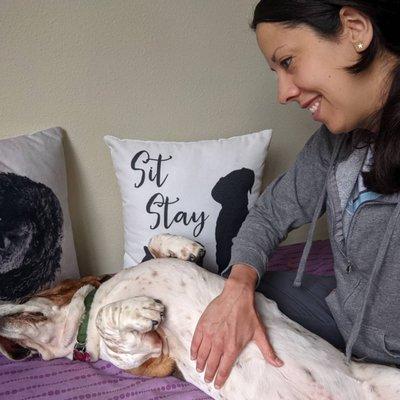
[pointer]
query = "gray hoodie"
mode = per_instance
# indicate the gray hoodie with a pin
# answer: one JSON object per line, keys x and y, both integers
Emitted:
{"x": 366, "y": 302}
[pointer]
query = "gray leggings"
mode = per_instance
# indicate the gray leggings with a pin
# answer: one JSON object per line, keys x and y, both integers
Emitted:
{"x": 306, "y": 305}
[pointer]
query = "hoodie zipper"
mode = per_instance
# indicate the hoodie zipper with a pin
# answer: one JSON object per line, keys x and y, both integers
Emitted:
{"x": 349, "y": 265}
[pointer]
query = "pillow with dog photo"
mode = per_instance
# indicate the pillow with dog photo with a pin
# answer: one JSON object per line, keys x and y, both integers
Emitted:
{"x": 201, "y": 190}
{"x": 36, "y": 244}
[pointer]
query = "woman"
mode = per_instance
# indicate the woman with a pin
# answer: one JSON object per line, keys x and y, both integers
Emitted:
{"x": 340, "y": 60}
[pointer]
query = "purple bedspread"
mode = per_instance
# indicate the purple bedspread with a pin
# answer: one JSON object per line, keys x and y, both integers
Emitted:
{"x": 72, "y": 380}
{"x": 63, "y": 379}
{"x": 319, "y": 262}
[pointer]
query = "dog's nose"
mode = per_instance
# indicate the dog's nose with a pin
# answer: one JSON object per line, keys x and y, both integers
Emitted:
{"x": 157, "y": 301}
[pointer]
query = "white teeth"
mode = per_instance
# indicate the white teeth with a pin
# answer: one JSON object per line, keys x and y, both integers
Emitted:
{"x": 315, "y": 106}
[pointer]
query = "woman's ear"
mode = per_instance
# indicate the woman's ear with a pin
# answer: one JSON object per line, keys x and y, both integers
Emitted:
{"x": 357, "y": 27}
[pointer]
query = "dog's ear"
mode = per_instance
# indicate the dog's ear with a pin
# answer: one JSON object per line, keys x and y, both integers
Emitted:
{"x": 12, "y": 350}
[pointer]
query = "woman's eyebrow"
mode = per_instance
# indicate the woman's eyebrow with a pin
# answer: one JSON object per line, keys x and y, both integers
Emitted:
{"x": 273, "y": 59}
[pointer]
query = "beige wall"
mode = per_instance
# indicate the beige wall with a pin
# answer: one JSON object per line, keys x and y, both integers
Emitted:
{"x": 149, "y": 69}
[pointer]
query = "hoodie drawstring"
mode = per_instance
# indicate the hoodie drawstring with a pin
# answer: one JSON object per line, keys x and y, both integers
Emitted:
{"x": 320, "y": 203}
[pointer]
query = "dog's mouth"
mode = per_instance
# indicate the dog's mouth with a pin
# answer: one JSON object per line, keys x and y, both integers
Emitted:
{"x": 13, "y": 350}
{"x": 22, "y": 353}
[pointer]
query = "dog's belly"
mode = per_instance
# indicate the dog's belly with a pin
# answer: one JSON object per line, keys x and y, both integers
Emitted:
{"x": 313, "y": 368}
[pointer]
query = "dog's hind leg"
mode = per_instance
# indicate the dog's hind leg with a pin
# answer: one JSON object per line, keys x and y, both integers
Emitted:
{"x": 166, "y": 246}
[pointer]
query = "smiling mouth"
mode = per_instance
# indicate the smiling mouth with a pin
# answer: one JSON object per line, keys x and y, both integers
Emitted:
{"x": 315, "y": 105}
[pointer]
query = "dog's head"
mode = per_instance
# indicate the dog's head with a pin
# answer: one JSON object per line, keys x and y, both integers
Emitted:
{"x": 46, "y": 323}
{"x": 23, "y": 328}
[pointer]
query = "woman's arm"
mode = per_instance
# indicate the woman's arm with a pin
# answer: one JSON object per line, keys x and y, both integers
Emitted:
{"x": 229, "y": 322}
{"x": 287, "y": 203}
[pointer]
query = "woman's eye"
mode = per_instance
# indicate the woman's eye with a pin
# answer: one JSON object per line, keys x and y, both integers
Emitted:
{"x": 286, "y": 62}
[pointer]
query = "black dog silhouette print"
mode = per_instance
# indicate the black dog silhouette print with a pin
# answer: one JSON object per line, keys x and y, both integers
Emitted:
{"x": 231, "y": 191}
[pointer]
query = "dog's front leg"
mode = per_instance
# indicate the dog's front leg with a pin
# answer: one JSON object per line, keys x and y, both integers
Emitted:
{"x": 127, "y": 329}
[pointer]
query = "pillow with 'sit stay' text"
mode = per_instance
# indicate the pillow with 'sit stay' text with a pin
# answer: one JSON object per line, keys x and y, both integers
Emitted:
{"x": 201, "y": 190}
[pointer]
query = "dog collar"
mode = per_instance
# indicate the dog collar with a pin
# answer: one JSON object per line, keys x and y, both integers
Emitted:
{"x": 80, "y": 352}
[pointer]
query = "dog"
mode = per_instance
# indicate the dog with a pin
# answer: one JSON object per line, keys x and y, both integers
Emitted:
{"x": 143, "y": 318}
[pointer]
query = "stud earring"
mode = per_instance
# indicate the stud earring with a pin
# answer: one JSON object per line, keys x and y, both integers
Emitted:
{"x": 359, "y": 46}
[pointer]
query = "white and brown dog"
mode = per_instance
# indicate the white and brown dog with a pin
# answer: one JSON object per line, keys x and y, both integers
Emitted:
{"x": 124, "y": 328}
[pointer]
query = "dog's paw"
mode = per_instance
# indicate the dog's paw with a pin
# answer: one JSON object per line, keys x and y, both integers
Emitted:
{"x": 166, "y": 245}
{"x": 142, "y": 314}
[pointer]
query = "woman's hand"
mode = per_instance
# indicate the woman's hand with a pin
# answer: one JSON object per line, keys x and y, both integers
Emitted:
{"x": 228, "y": 323}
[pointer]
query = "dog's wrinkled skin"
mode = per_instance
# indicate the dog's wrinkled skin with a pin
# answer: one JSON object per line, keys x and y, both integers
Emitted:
{"x": 124, "y": 328}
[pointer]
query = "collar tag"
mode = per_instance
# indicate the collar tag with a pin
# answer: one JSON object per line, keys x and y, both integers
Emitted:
{"x": 80, "y": 353}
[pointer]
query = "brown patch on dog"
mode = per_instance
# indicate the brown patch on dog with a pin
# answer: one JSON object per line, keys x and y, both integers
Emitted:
{"x": 159, "y": 367}
{"x": 62, "y": 294}
{"x": 155, "y": 253}
{"x": 154, "y": 273}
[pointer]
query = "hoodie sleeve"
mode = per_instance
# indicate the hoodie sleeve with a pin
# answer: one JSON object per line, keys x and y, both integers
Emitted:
{"x": 286, "y": 204}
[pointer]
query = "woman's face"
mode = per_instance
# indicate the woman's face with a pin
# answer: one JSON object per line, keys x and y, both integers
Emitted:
{"x": 310, "y": 71}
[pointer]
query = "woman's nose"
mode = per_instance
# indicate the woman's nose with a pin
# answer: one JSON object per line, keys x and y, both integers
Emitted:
{"x": 287, "y": 90}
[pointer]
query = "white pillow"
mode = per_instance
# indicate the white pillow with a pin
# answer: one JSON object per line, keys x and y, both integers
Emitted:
{"x": 201, "y": 190}
{"x": 36, "y": 244}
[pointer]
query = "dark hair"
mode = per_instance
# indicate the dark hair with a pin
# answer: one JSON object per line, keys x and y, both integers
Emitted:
{"x": 324, "y": 18}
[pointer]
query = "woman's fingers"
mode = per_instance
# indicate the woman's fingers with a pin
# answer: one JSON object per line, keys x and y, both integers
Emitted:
{"x": 196, "y": 341}
{"x": 225, "y": 367}
{"x": 213, "y": 362}
{"x": 202, "y": 354}
{"x": 261, "y": 339}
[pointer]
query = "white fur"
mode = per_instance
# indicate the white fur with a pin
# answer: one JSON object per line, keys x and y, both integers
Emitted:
{"x": 313, "y": 368}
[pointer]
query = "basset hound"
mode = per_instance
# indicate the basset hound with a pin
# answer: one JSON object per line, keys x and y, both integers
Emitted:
{"x": 143, "y": 318}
